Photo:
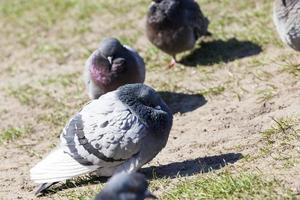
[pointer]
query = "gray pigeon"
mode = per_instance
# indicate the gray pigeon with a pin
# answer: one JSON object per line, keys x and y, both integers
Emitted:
{"x": 119, "y": 132}
{"x": 126, "y": 186}
{"x": 175, "y": 25}
{"x": 110, "y": 66}
{"x": 286, "y": 17}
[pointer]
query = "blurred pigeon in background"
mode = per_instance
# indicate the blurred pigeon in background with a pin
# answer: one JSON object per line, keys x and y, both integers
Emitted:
{"x": 119, "y": 132}
{"x": 126, "y": 186}
{"x": 286, "y": 16}
{"x": 110, "y": 66}
{"x": 175, "y": 25}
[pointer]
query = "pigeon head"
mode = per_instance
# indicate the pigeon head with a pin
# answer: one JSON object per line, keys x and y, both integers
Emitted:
{"x": 110, "y": 47}
{"x": 162, "y": 10}
{"x": 126, "y": 186}
{"x": 147, "y": 104}
{"x": 108, "y": 64}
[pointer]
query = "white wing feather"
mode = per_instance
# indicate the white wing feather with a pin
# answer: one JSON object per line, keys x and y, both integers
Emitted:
{"x": 58, "y": 166}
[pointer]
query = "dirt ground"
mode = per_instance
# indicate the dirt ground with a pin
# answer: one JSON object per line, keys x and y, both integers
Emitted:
{"x": 236, "y": 99}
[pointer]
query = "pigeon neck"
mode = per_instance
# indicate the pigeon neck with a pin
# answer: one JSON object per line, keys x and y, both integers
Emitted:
{"x": 158, "y": 120}
{"x": 100, "y": 75}
{"x": 150, "y": 116}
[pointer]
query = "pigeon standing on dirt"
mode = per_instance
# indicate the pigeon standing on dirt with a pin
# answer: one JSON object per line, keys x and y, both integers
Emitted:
{"x": 119, "y": 132}
{"x": 175, "y": 25}
{"x": 112, "y": 65}
{"x": 126, "y": 186}
{"x": 286, "y": 16}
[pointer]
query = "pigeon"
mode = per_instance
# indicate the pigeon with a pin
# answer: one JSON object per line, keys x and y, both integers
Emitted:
{"x": 175, "y": 25}
{"x": 286, "y": 18}
{"x": 112, "y": 65}
{"x": 126, "y": 186}
{"x": 119, "y": 132}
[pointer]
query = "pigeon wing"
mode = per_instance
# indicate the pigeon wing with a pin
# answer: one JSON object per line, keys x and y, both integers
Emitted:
{"x": 139, "y": 61}
{"x": 196, "y": 19}
{"x": 103, "y": 134}
{"x": 112, "y": 134}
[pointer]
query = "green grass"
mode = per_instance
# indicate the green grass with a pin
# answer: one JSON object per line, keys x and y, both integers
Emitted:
{"x": 223, "y": 185}
{"x": 213, "y": 91}
{"x": 57, "y": 118}
{"x": 229, "y": 186}
{"x": 57, "y": 108}
{"x": 12, "y": 133}
{"x": 281, "y": 141}
{"x": 43, "y": 93}
{"x": 46, "y": 14}
{"x": 65, "y": 80}
{"x": 248, "y": 20}
{"x": 35, "y": 96}
{"x": 292, "y": 68}
{"x": 25, "y": 94}
{"x": 282, "y": 129}
{"x": 265, "y": 95}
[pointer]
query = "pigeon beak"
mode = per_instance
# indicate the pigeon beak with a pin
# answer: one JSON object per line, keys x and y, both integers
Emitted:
{"x": 109, "y": 58}
{"x": 149, "y": 195}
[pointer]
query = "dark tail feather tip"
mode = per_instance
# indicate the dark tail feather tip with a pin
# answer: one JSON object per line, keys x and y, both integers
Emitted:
{"x": 42, "y": 188}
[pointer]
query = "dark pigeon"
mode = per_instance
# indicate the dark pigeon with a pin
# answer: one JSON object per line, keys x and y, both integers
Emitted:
{"x": 111, "y": 66}
{"x": 119, "y": 132}
{"x": 126, "y": 186}
{"x": 175, "y": 25}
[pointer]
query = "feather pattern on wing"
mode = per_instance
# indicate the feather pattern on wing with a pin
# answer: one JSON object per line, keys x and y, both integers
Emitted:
{"x": 109, "y": 128}
{"x": 196, "y": 19}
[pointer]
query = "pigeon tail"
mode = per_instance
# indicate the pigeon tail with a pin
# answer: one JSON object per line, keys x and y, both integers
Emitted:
{"x": 58, "y": 166}
{"x": 42, "y": 188}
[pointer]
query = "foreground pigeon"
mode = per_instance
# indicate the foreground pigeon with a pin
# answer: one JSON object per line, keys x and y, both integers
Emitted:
{"x": 110, "y": 66}
{"x": 119, "y": 132}
{"x": 175, "y": 25}
{"x": 124, "y": 186}
{"x": 286, "y": 17}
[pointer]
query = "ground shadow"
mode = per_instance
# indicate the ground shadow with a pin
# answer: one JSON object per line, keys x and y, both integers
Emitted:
{"x": 191, "y": 167}
{"x": 182, "y": 103}
{"x": 217, "y": 51}
{"x": 172, "y": 170}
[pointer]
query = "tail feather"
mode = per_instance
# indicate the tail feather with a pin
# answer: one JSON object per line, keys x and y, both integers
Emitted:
{"x": 42, "y": 188}
{"x": 58, "y": 166}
